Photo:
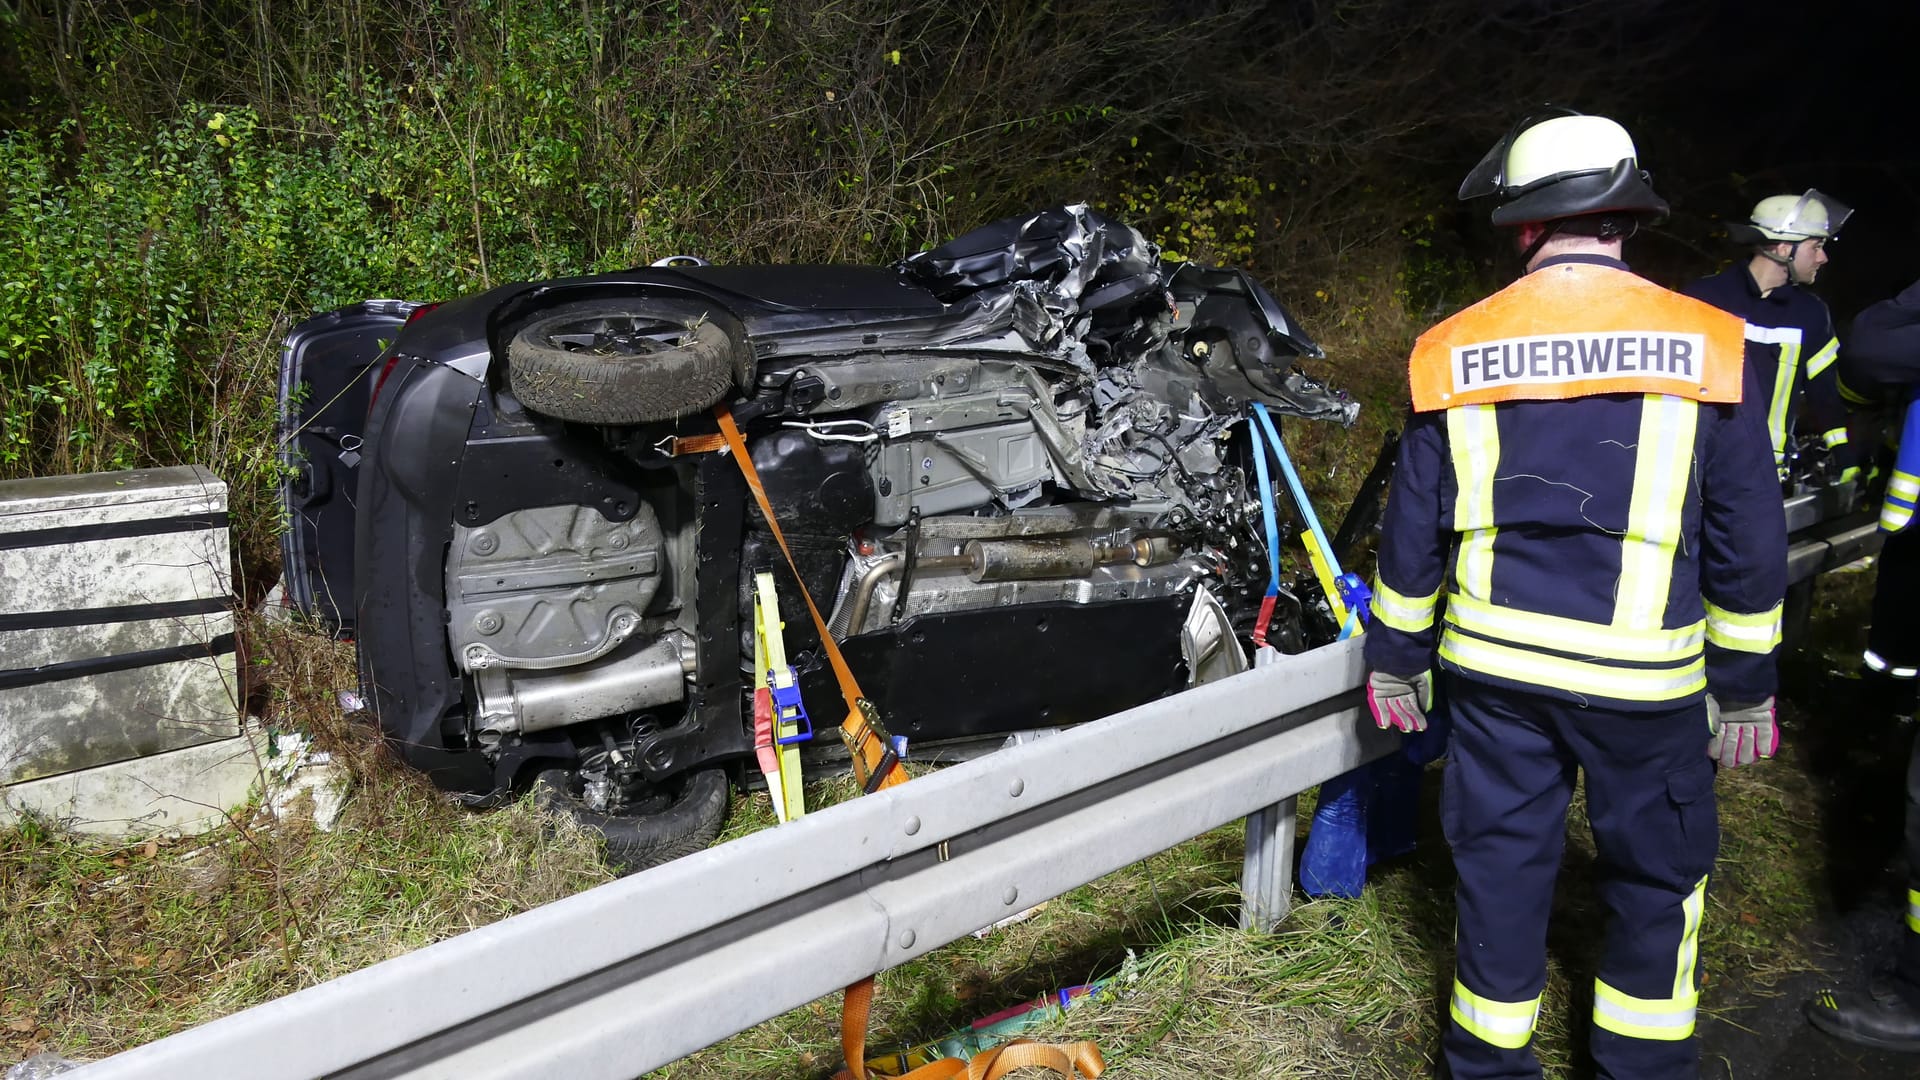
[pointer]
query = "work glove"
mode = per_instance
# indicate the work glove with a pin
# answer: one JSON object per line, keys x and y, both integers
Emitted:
{"x": 1400, "y": 702}
{"x": 1741, "y": 736}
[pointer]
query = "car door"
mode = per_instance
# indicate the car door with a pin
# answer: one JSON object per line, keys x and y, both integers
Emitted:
{"x": 329, "y": 365}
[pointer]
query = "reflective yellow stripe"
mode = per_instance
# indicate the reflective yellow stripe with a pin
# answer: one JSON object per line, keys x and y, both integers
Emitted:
{"x": 1662, "y": 464}
{"x": 1474, "y": 439}
{"x": 1412, "y": 614}
{"x": 1598, "y": 640}
{"x": 1644, "y": 1018}
{"x": 1833, "y": 437}
{"x": 1823, "y": 359}
{"x": 1505, "y": 1024}
{"x": 1692, "y": 910}
{"x": 1896, "y": 508}
{"x": 1879, "y": 663}
{"x": 1743, "y": 633}
{"x": 1848, "y": 394}
{"x": 1578, "y": 676}
{"x": 1913, "y": 910}
{"x": 1789, "y": 340}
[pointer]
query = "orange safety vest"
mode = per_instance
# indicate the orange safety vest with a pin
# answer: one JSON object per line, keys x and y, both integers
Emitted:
{"x": 1571, "y": 330}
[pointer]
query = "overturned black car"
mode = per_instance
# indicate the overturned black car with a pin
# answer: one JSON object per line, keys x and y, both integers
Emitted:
{"x": 1014, "y": 471}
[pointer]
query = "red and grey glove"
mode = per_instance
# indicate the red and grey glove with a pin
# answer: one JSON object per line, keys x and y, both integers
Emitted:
{"x": 1400, "y": 702}
{"x": 1741, "y": 736}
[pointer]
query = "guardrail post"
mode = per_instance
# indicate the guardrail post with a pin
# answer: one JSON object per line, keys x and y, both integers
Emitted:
{"x": 1266, "y": 877}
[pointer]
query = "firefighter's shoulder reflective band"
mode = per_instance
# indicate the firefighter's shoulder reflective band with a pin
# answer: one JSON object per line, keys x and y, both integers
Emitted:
{"x": 1577, "y": 676}
{"x": 1823, "y": 359}
{"x": 1412, "y": 614}
{"x": 1505, "y": 1024}
{"x": 1743, "y": 633}
{"x": 1597, "y": 640}
{"x": 1913, "y": 910}
{"x": 1667, "y": 1020}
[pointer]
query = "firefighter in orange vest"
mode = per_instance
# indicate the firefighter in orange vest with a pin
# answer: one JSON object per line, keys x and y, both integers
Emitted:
{"x": 1585, "y": 539}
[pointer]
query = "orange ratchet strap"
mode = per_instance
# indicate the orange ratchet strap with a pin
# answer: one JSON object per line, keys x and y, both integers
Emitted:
{"x": 874, "y": 763}
{"x": 876, "y": 767}
{"x": 680, "y": 445}
{"x": 1071, "y": 1060}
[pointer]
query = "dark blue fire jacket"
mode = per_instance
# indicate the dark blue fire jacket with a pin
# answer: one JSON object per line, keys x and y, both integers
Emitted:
{"x": 1620, "y": 550}
{"x": 1791, "y": 349}
{"x": 1883, "y": 363}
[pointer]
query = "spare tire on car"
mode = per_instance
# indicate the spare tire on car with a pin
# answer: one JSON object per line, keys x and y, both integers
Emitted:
{"x": 626, "y": 361}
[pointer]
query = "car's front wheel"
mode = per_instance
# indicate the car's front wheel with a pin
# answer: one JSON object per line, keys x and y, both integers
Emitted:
{"x": 684, "y": 817}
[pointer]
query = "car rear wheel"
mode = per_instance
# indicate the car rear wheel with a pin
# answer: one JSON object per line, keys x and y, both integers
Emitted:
{"x": 685, "y": 819}
{"x": 607, "y": 362}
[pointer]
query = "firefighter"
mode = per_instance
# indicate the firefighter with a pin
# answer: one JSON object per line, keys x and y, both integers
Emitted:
{"x": 1884, "y": 362}
{"x": 1885, "y": 370}
{"x": 1586, "y": 530}
{"x": 1791, "y": 345}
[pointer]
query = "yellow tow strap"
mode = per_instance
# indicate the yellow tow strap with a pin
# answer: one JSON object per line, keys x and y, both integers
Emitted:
{"x": 775, "y": 728}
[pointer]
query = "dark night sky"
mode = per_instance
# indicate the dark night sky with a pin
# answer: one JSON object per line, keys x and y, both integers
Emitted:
{"x": 1795, "y": 95}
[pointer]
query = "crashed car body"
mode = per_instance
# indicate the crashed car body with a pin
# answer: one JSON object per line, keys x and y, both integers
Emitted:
{"x": 1012, "y": 470}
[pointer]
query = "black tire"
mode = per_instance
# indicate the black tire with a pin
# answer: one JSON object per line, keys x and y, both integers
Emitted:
{"x": 610, "y": 362}
{"x": 694, "y": 810}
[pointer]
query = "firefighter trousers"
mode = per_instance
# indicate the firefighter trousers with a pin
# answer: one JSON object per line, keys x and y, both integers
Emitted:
{"x": 1649, "y": 788}
{"x": 1907, "y": 962}
{"x": 1893, "y": 638}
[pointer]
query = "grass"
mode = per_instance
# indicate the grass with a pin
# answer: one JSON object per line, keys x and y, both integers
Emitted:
{"x": 104, "y": 946}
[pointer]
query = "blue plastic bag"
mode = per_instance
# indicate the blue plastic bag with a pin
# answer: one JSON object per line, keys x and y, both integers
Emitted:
{"x": 1371, "y": 813}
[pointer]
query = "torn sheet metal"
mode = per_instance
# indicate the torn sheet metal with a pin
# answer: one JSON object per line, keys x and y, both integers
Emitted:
{"x": 1095, "y": 294}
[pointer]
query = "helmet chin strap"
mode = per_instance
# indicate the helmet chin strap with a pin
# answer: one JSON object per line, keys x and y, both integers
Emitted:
{"x": 1786, "y": 263}
{"x": 1792, "y": 258}
{"x": 1608, "y": 229}
{"x": 1547, "y": 233}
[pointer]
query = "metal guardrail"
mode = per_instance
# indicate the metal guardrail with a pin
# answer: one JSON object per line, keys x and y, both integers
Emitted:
{"x": 640, "y": 972}
{"x": 1827, "y": 529}
{"x": 643, "y": 971}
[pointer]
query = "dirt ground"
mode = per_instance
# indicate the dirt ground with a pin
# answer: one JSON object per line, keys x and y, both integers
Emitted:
{"x": 1858, "y": 748}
